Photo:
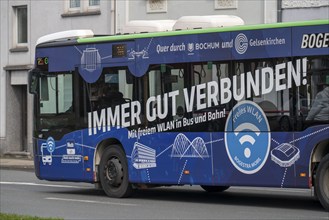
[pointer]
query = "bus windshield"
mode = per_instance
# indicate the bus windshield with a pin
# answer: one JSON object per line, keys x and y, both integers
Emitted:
{"x": 55, "y": 102}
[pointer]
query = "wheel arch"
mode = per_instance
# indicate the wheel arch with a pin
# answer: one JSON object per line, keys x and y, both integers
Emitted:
{"x": 319, "y": 151}
{"x": 100, "y": 149}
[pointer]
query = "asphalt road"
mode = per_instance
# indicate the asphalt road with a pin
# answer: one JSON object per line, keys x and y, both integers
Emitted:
{"x": 22, "y": 193}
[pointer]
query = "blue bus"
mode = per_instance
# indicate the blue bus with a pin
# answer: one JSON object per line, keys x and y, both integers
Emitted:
{"x": 245, "y": 105}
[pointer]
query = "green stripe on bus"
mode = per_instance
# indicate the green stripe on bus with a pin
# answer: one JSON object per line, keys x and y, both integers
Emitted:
{"x": 124, "y": 37}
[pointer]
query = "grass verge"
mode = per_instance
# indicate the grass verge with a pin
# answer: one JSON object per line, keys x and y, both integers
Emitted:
{"x": 4, "y": 216}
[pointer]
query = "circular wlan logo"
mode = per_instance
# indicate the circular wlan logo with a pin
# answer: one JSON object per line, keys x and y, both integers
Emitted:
{"x": 241, "y": 43}
{"x": 247, "y": 137}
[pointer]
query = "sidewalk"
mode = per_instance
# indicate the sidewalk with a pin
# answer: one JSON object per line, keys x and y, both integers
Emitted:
{"x": 16, "y": 163}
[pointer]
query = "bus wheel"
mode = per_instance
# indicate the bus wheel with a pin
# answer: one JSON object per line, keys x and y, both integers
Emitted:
{"x": 214, "y": 188}
{"x": 322, "y": 182}
{"x": 113, "y": 173}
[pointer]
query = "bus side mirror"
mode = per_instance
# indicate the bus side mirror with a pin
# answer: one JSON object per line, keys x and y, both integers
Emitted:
{"x": 33, "y": 81}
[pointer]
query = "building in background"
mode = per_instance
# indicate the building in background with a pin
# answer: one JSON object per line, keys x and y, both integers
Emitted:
{"x": 303, "y": 10}
{"x": 22, "y": 22}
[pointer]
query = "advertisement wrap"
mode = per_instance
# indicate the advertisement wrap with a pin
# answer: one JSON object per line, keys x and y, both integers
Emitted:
{"x": 247, "y": 152}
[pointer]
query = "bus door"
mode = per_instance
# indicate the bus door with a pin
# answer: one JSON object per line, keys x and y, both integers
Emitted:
{"x": 265, "y": 132}
{"x": 312, "y": 116}
{"x": 60, "y": 146}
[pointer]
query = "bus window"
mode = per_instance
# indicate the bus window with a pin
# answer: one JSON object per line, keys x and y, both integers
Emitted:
{"x": 56, "y": 94}
{"x": 56, "y": 104}
{"x": 163, "y": 82}
{"x": 275, "y": 104}
{"x": 204, "y": 73}
{"x": 312, "y": 100}
{"x": 111, "y": 89}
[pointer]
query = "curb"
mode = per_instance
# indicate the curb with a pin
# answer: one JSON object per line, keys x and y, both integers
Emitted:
{"x": 17, "y": 155}
{"x": 25, "y": 168}
{"x": 16, "y": 164}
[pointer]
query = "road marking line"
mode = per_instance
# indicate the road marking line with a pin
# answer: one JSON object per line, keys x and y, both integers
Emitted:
{"x": 247, "y": 189}
{"x": 48, "y": 185}
{"x": 91, "y": 201}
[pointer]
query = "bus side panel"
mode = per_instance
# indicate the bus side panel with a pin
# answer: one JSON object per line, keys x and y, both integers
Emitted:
{"x": 312, "y": 40}
{"x": 306, "y": 141}
{"x": 62, "y": 159}
{"x": 182, "y": 158}
{"x": 202, "y": 159}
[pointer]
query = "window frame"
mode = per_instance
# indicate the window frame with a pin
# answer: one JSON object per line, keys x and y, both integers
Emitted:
{"x": 93, "y": 7}
{"x": 84, "y": 7}
{"x": 73, "y": 9}
{"x": 16, "y": 43}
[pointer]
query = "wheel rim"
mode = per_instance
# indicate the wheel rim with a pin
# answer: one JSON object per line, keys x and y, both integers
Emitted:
{"x": 113, "y": 172}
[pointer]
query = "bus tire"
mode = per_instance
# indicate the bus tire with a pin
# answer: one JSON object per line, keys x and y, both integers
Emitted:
{"x": 212, "y": 189}
{"x": 113, "y": 173}
{"x": 322, "y": 182}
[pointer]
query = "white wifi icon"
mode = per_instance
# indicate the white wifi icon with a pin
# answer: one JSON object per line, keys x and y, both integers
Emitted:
{"x": 246, "y": 138}
{"x": 51, "y": 145}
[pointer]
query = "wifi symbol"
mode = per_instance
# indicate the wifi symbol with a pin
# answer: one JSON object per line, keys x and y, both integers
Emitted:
{"x": 50, "y": 144}
{"x": 247, "y": 138}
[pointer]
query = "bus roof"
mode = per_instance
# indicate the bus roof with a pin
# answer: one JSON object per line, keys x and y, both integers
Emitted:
{"x": 145, "y": 26}
{"x": 209, "y": 21}
{"x": 64, "y": 35}
{"x": 201, "y": 31}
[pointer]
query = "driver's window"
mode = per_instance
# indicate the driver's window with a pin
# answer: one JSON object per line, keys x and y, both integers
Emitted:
{"x": 56, "y": 94}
